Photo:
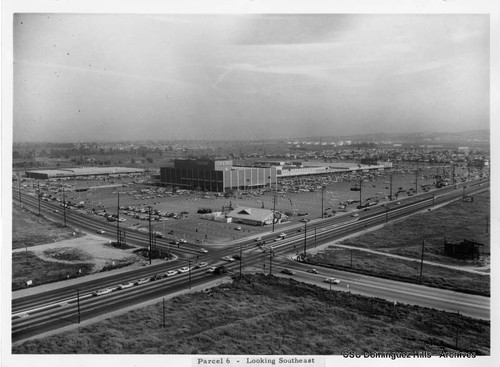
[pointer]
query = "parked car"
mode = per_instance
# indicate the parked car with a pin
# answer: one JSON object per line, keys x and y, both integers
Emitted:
{"x": 238, "y": 228}
{"x": 126, "y": 285}
{"x": 288, "y": 272}
{"x": 102, "y": 292}
{"x": 332, "y": 281}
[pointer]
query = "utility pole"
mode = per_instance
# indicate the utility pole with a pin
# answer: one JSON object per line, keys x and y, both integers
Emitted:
{"x": 150, "y": 244}
{"x": 64, "y": 207}
{"x": 271, "y": 254}
{"x": 78, "y": 303}
{"x": 305, "y": 239}
{"x": 360, "y": 182}
{"x": 390, "y": 194}
{"x": 416, "y": 180}
{"x": 322, "y": 195}
{"x": 118, "y": 221}
{"x": 422, "y": 262}
{"x": 274, "y": 209}
{"x": 39, "y": 208}
{"x": 241, "y": 260}
{"x": 163, "y": 312}
{"x": 189, "y": 265}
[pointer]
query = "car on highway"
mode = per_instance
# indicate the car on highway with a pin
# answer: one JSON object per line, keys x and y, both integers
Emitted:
{"x": 288, "y": 272}
{"x": 102, "y": 292}
{"x": 174, "y": 242}
{"x": 211, "y": 269}
{"x": 141, "y": 281}
{"x": 182, "y": 240}
{"x": 126, "y": 285}
{"x": 282, "y": 234}
{"x": 100, "y": 231}
{"x": 170, "y": 273}
{"x": 228, "y": 258}
{"x": 184, "y": 269}
{"x": 56, "y": 211}
{"x": 238, "y": 257}
{"x": 201, "y": 265}
{"x": 312, "y": 271}
{"x": 258, "y": 239}
{"x": 202, "y": 250}
{"x": 355, "y": 215}
{"x": 331, "y": 281}
{"x": 155, "y": 277}
{"x": 304, "y": 220}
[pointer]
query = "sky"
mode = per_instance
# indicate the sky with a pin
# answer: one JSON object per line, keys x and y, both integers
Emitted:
{"x": 104, "y": 77}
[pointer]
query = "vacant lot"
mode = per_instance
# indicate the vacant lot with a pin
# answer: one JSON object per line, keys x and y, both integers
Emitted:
{"x": 29, "y": 229}
{"x": 267, "y": 315}
{"x": 456, "y": 221}
{"x": 53, "y": 253}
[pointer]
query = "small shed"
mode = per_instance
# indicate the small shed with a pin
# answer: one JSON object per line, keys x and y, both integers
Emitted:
{"x": 463, "y": 250}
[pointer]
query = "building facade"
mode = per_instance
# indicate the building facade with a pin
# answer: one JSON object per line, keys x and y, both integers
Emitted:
{"x": 215, "y": 175}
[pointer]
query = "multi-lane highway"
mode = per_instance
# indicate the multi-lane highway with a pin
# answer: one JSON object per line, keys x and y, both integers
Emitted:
{"x": 60, "y": 307}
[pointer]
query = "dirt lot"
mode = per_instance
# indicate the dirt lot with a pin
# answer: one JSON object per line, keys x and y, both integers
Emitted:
{"x": 64, "y": 256}
{"x": 29, "y": 229}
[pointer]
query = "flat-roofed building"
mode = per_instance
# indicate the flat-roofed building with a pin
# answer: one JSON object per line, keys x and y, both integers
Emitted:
{"x": 215, "y": 175}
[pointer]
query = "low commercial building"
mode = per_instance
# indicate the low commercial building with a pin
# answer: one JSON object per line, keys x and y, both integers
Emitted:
{"x": 81, "y": 171}
{"x": 255, "y": 216}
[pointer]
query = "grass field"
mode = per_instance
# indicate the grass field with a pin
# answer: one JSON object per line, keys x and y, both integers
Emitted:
{"x": 457, "y": 221}
{"x": 27, "y": 266}
{"x": 29, "y": 229}
{"x": 268, "y": 315}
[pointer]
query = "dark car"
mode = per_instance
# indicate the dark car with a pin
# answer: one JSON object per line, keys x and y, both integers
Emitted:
{"x": 288, "y": 272}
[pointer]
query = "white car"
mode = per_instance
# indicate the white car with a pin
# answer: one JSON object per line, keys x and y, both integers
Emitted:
{"x": 202, "y": 250}
{"x": 184, "y": 269}
{"x": 141, "y": 281}
{"x": 238, "y": 228}
{"x": 102, "y": 292}
{"x": 126, "y": 285}
{"x": 170, "y": 273}
{"x": 332, "y": 281}
{"x": 100, "y": 231}
{"x": 211, "y": 269}
{"x": 228, "y": 258}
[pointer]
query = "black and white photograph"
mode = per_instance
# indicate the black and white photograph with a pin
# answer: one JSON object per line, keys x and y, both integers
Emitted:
{"x": 249, "y": 185}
